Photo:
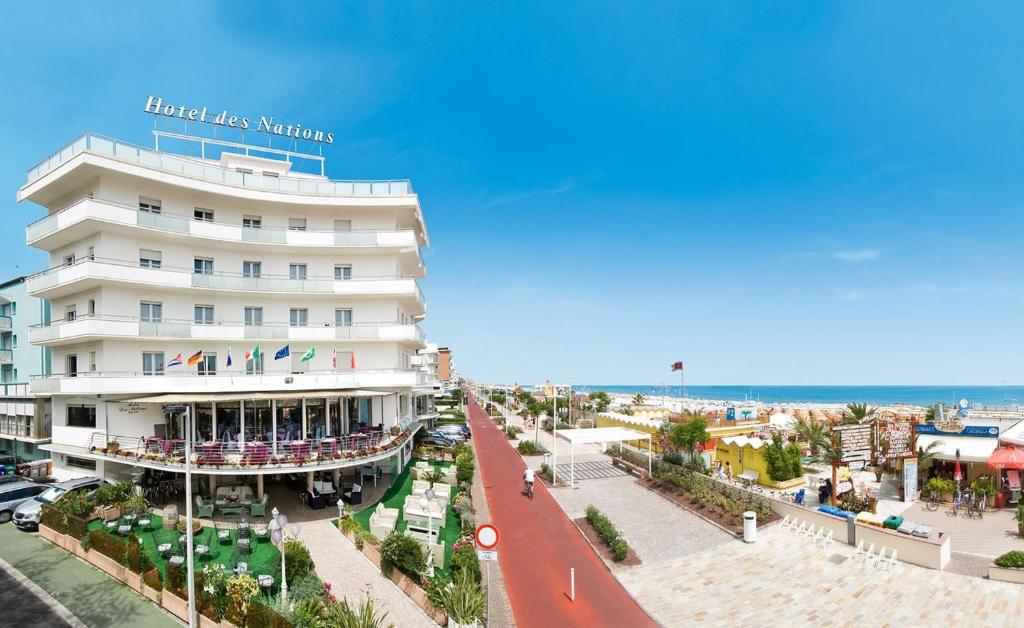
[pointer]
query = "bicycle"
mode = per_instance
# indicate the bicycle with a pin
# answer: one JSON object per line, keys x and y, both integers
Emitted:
{"x": 954, "y": 509}
{"x": 932, "y": 504}
{"x": 976, "y": 506}
{"x": 528, "y": 491}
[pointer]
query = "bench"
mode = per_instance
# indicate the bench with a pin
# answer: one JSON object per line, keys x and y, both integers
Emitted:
{"x": 629, "y": 467}
{"x": 749, "y": 477}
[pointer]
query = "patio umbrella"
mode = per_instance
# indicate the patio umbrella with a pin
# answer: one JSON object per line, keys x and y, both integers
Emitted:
{"x": 1008, "y": 457}
{"x": 958, "y": 475}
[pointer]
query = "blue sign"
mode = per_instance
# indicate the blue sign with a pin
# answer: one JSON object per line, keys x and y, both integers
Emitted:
{"x": 969, "y": 430}
{"x": 730, "y": 414}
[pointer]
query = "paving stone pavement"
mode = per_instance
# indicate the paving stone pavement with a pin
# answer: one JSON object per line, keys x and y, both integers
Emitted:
{"x": 992, "y": 535}
{"x": 783, "y": 580}
{"x": 351, "y": 575}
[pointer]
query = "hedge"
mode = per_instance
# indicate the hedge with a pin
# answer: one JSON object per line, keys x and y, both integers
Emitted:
{"x": 1014, "y": 559}
{"x": 606, "y": 530}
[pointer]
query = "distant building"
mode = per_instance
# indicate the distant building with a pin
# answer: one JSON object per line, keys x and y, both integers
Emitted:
{"x": 445, "y": 366}
{"x": 24, "y": 420}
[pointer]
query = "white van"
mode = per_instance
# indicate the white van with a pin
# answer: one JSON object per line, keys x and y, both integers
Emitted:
{"x": 13, "y": 494}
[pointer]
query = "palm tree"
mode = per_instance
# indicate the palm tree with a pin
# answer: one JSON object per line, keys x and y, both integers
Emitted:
{"x": 856, "y": 413}
{"x": 811, "y": 432}
{"x": 926, "y": 454}
{"x": 638, "y": 399}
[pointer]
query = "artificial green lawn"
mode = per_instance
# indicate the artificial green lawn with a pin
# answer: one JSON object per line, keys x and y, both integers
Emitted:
{"x": 394, "y": 497}
{"x": 263, "y": 559}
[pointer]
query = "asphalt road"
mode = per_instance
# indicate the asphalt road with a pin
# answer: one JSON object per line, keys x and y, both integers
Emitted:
{"x": 23, "y": 609}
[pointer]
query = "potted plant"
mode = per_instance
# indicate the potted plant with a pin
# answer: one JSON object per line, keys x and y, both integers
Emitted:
{"x": 465, "y": 600}
{"x": 942, "y": 487}
{"x": 109, "y": 499}
{"x": 985, "y": 485}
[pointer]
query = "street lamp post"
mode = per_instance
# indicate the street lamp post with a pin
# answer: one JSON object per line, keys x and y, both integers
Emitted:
{"x": 554, "y": 442}
{"x": 189, "y": 556}
{"x": 278, "y": 528}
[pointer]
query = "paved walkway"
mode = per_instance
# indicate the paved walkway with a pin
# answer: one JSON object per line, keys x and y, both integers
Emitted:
{"x": 95, "y": 598}
{"x": 353, "y": 576}
{"x": 783, "y": 580}
{"x": 539, "y": 545}
{"x": 994, "y": 534}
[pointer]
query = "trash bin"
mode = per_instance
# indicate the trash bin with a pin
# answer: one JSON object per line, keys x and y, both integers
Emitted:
{"x": 749, "y": 526}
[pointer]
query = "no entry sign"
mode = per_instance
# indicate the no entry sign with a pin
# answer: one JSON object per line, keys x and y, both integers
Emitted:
{"x": 487, "y": 537}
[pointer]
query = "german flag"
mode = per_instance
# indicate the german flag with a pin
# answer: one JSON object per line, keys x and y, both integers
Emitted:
{"x": 196, "y": 358}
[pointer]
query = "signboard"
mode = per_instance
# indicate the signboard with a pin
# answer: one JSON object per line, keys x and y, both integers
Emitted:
{"x": 158, "y": 107}
{"x": 899, "y": 440}
{"x": 938, "y": 429}
{"x": 487, "y": 555}
{"x": 855, "y": 441}
{"x": 857, "y": 465}
{"x": 909, "y": 480}
{"x": 730, "y": 414}
{"x": 487, "y": 536}
{"x": 843, "y": 487}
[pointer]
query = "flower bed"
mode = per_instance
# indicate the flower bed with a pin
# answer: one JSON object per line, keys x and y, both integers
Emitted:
{"x": 720, "y": 503}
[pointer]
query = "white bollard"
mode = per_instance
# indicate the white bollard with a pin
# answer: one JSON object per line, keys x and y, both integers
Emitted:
{"x": 572, "y": 584}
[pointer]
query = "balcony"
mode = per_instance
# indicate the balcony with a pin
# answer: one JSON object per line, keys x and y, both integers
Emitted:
{"x": 5, "y": 323}
{"x": 6, "y": 356}
{"x": 84, "y": 217}
{"x": 92, "y": 272}
{"x": 85, "y": 328}
{"x": 211, "y": 172}
{"x": 232, "y": 458}
{"x": 187, "y": 380}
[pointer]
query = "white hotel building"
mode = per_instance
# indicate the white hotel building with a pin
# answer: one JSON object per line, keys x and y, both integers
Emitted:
{"x": 155, "y": 254}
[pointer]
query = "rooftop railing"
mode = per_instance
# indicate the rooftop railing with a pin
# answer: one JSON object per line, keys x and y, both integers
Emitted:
{"x": 207, "y": 171}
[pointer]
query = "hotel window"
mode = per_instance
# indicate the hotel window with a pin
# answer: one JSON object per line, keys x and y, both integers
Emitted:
{"x": 149, "y": 205}
{"x": 80, "y": 463}
{"x": 298, "y": 317}
{"x": 296, "y": 224}
{"x": 81, "y": 416}
{"x": 254, "y": 367}
{"x": 14, "y": 341}
{"x": 253, "y": 316}
{"x": 71, "y": 313}
{"x": 252, "y": 222}
{"x": 152, "y": 362}
{"x": 72, "y": 365}
{"x": 203, "y": 266}
{"x": 14, "y": 308}
{"x": 204, "y": 315}
{"x": 92, "y": 361}
{"x": 69, "y": 260}
{"x": 252, "y": 269}
{"x": 343, "y": 317}
{"x": 342, "y": 272}
{"x": 202, "y": 215}
{"x": 150, "y": 312}
{"x": 343, "y": 225}
{"x": 149, "y": 259}
{"x": 92, "y": 307}
{"x": 208, "y": 365}
{"x": 91, "y": 253}
{"x": 296, "y": 271}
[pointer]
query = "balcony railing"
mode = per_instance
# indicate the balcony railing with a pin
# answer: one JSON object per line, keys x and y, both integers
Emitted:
{"x": 19, "y": 389}
{"x": 5, "y": 323}
{"x": 118, "y": 213}
{"x": 6, "y": 356}
{"x": 258, "y": 454}
{"x": 106, "y": 269}
{"x": 207, "y": 171}
{"x": 188, "y": 380}
{"x": 130, "y": 326}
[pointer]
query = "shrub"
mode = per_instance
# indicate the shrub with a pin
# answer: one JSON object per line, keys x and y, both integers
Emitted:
{"x": 109, "y": 545}
{"x": 672, "y": 457}
{"x": 779, "y": 467}
{"x": 307, "y": 586}
{"x": 75, "y": 504}
{"x": 152, "y": 579}
{"x": 404, "y": 553}
{"x": 1013, "y": 560}
{"x": 262, "y": 616}
{"x": 530, "y": 448}
{"x": 606, "y": 530}
{"x": 465, "y": 600}
{"x": 365, "y": 536}
{"x": 176, "y": 576}
{"x": 242, "y": 589}
{"x": 939, "y": 485}
{"x": 464, "y": 558}
{"x": 436, "y": 587}
{"x": 53, "y": 519}
{"x": 349, "y": 525}
{"x": 297, "y": 561}
{"x": 136, "y": 558}
{"x": 112, "y": 494}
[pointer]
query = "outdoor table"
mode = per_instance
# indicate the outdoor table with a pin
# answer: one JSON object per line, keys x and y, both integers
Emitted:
{"x": 265, "y": 581}
{"x": 160, "y": 444}
{"x": 131, "y": 517}
{"x": 110, "y": 525}
{"x": 299, "y": 448}
{"x": 163, "y": 548}
{"x": 145, "y": 522}
{"x": 202, "y": 550}
{"x": 124, "y": 529}
{"x": 243, "y": 543}
{"x": 223, "y": 534}
{"x": 261, "y": 533}
{"x": 176, "y": 560}
{"x": 174, "y": 443}
{"x": 329, "y": 447}
{"x": 241, "y": 568}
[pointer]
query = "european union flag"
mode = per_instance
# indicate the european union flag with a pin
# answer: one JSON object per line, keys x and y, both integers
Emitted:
{"x": 283, "y": 352}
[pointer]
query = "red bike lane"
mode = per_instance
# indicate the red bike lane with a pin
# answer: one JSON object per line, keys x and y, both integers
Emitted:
{"x": 539, "y": 544}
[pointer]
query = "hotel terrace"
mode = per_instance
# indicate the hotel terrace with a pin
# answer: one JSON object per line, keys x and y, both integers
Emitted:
{"x": 155, "y": 255}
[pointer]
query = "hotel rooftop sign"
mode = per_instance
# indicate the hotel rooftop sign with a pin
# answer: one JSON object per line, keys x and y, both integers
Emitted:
{"x": 262, "y": 124}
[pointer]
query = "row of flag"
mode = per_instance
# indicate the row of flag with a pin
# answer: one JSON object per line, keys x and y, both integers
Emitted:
{"x": 256, "y": 353}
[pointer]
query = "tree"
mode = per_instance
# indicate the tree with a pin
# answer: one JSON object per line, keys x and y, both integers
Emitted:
{"x": 815, "y": 434}
{"x": 601, "y": 400}
{"x": 856, "y": 413}
{"x": 638, "y": 399}
{"x": 687, "y": 435}
{"x": 925, "y": 455}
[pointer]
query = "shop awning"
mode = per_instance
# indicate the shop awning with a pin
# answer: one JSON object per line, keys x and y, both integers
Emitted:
{"x": 284, "y": 394}
{"x": 972, "y": 448}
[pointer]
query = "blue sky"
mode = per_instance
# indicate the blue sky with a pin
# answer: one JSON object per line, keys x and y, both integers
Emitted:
{"x": 773, "y": 193}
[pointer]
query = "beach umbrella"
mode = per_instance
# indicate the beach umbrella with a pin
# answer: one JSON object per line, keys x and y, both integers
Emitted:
{"x": 958, "y": 475}
{"x": 1008, "y": 457}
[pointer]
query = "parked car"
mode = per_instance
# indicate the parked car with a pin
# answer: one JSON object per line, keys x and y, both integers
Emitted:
{"x": 456, "y": 436}
{"x": 436, "y": 441}
{"x": 26, "y": 516}
{"x": 14, "y": 494}
{"x": 7, "y": 479}
{"x": 455, "y": 429}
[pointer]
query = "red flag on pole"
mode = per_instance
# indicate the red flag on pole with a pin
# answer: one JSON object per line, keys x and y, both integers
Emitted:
{"x": 677, "y": 366}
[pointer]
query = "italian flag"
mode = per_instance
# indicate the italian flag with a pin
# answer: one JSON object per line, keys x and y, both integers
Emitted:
{"x": 253, "y": 354}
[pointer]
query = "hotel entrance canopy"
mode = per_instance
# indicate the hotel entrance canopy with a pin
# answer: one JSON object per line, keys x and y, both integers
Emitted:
{"x": 597, "y": 435}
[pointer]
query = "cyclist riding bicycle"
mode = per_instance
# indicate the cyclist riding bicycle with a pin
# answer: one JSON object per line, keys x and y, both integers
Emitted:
{"x": 528, "y": 481}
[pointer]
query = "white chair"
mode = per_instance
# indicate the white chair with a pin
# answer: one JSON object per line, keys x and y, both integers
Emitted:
{"x": 785, "y": 523}
{"x": 858, "y": 553}
{"x": 889, "y": 564}
{"x": 820, "y": 536}
{"x": 810, "y": 532}
{"x": 383, "y": 520}
{"x": 827, "y": 541}
{"x": 877, "y": 558}
{"x": 802, "y": 528}
{"x": 869, "y": 556}
{"x": 419, "y": 487}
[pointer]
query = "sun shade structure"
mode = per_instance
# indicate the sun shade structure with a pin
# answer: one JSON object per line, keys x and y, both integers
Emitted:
{"x": 1008, "y": 457}
{"x": 207, "y": 397}
{"x": 598, "y": 435}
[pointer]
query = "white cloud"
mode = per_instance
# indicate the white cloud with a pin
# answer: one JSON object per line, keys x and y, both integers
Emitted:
{"x": 567, "y": 185}
{"x": 857, "y": 255}
{"x": 849, "y": 296}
